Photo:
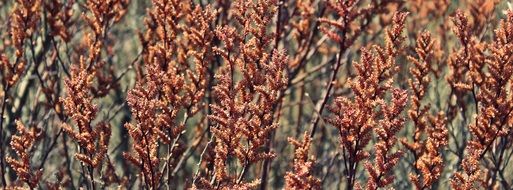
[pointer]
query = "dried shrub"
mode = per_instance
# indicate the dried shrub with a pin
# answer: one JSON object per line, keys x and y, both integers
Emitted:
{"x": 493, "y": 116}
{"x": 430, "y": 136}
{"x": 210, "y": 94}
{"x": 301, "y": 177}
{"x": 23, "y": 144}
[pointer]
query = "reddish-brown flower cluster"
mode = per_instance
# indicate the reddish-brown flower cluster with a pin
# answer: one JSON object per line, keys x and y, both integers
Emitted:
{"x": 92, "y": 138}
{"x": 23, "y": 144}
{"x": 86, "y": 82}
{"x": 178, "y": 94}
{"x": 245, "y": 112}
{"x": 59, "y": 18}
{"x": 353, "y": 21}
{"x": 356, "y": 119}
{"x": 430, "y": 134}
{"x": 80, "y": 108}
{"x": 24, "y": 20}
{"x": 172, "y": 84}
{"x": 493, "y": 121}
{"x": 419, "y": 85}
{"x": 301, "y": 177}
{"x": 381, "y": 171}
{"x": 430, "y": 163}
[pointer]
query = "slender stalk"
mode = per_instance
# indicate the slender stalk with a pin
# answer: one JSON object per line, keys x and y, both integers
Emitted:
{"x": 68, "y": 161}
{"x": 91, "y": 177}
{"x": 196, "y": 174}
{"x": 326, "y": 94}
{"x": 2, "y": 151}
{"x": 265, "y": 166}
{"x": 151, "y": 184}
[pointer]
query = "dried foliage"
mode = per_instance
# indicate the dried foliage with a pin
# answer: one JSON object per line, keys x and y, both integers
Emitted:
{"x": 23, "y": 144}
{"x": 356, "y": 119}
{"x": 244, "y": 114}
{"x": 493, "y": 121}
{"x": 430, "y": 136}
{"x": 211, "y": 94}
{"x": 380, "y": 175}
{"x": 80, "y": 108}
{"x": 171, "y": 83}
{"x": 301, "y": 177}
{"x": 24, "y": 20}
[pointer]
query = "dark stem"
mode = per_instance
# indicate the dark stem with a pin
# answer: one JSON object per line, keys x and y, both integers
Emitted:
{"x": 91, "y": 176}
{"x": 149, "y": 162}
{"x": 327, "y": 92}
{"x": 265, "y": 167}
{"x": 2, "y": 152}
{"x": 68, "y": 161}
{"x": 47, "y": 153}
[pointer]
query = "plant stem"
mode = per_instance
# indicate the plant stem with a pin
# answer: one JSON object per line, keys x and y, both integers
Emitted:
{"x": 2, "y": 152}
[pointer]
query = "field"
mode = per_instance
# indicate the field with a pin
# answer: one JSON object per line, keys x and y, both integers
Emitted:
{"x": 256, "y": 94}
